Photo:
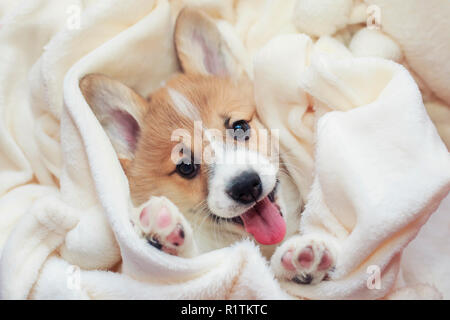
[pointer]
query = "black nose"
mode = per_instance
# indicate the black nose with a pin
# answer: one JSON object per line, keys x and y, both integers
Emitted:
{"x": 245, "y": 188}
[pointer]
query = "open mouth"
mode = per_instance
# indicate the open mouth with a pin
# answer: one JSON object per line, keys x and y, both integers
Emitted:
{"x": 263, "y": 220}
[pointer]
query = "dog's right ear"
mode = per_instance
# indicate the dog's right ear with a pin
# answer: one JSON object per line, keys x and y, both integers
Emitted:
{"x": 200, "y": 47}
{"x": 118, "y": 109}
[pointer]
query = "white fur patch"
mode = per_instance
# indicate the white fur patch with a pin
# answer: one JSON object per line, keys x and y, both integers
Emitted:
{"x": 229, "y": 164}
{"x": 184, "y": 106}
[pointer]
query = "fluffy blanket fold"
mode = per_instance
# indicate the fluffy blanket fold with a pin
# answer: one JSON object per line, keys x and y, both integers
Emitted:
{"x": 354, "y": 132}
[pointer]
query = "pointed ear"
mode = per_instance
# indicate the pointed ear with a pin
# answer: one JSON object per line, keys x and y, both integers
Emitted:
{"x": 118, "y": 109}
{"x": 200, "y": 46}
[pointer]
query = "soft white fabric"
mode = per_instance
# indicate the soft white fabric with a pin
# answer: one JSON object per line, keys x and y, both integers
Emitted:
{"x": 373, "y": 43}
{"x": 380, "y": 168}
{"x": 427, "y": 257}
{"x": 369, "y": 190}
{"x": 421, "y": 28}
{"x": 440, "y": 114}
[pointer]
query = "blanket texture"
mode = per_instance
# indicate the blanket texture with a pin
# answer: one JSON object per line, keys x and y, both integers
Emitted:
{"x": 347, "y": 83}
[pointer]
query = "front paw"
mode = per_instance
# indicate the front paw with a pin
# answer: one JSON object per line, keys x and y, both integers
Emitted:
{"x": 164, "y": 227}
{"x": 304, "y": 260}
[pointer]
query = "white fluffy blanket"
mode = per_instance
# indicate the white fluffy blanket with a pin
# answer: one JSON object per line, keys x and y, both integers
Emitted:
{"x": 354, "y": 131}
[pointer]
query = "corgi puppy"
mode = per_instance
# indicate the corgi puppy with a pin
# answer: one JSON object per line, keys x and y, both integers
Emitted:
{"x": 189, "y": 203}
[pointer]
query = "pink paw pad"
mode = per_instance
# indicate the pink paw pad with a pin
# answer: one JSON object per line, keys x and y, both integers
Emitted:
{"x": 286, "y": 261}
{"x": 326, "y": 261}
{"x": 306, "y": 257}
{"x": 176, "y": 237}
{"x": 144, "y": 217}
{"x": 164, "y": 218}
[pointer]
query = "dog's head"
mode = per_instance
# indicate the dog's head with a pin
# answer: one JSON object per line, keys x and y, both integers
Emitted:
{"x": 197, "y": 140}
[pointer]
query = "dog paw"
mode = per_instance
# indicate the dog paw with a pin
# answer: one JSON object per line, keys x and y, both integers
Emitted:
{"x": 164, "y": 227}
{"x": 303, "y": 260}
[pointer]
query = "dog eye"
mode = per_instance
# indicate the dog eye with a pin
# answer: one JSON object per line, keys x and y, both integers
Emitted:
{"x": 187, "y": 169}
{"x": 241, "y": 130}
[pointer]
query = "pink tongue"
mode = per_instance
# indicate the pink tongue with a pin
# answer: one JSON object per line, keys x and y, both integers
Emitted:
{"x": 264, "y": 222}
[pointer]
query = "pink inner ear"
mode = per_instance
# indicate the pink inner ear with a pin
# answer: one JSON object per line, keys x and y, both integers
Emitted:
{"x": 129, "y": 128}
{"x": 212, "y": 59}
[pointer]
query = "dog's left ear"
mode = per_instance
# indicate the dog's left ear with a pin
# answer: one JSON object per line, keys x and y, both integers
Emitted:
{"x": 200, "y": 46}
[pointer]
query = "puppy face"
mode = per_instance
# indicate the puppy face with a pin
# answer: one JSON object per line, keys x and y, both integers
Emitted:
{"x": 235, "y": 187}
